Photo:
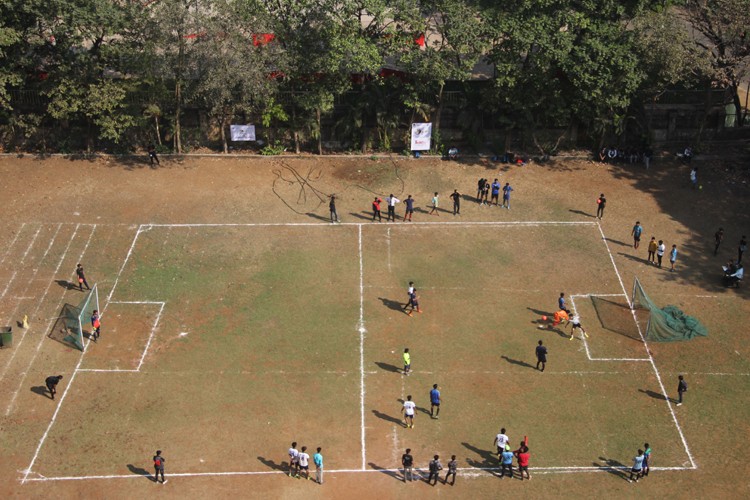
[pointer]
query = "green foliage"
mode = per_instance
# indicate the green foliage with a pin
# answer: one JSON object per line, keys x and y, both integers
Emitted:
{"x": 275, "y": 149}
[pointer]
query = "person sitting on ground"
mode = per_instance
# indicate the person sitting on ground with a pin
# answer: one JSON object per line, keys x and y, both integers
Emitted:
{"x": 453, "y": 153}
{"x": 735, "y": 278}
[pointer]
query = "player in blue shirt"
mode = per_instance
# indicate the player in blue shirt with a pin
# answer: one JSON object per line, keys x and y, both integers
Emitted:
{"x": 636, "y": 233}
{"x": 561, "y": 302}
{"x": 506, "y": 195}
{"x": 673, "y": 257}
{"x": 495, "y": 192}
{"x": 435, "y": 401}
{"x": 506, "y": 462}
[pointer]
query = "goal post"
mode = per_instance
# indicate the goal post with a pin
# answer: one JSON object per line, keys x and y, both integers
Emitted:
{"x": 71, "y": 325}
{"x": 86, "y": 308}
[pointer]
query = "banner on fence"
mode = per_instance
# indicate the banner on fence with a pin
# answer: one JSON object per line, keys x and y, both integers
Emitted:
{"x": 421, "y": 133}
{"x": 242, "y": 132}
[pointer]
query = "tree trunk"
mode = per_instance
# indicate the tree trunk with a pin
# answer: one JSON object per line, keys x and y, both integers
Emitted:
{"x": 737, "y": 105}
{"x": 223, "y": 124}
{"x": 436, "y": 119}
{"x": 158, "y": 133}
{"x": 177, "y": 141}
{"x": 295, "y": 127}
{"x": 320, "y": 132}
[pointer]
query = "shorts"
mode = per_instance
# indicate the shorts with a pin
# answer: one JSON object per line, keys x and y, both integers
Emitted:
{"x": 577, "y": 325}
{"x": 407, "y": 367}
{"x": 637, "y": 238}
{"x": 636, "y": 471}
{"x": 409, "y": 416}
{"x": 542, "y": 359}
{"x": 523, "y": 468}
{"x": 304, "y": 467}
{"x": 433, "y": 403}
{"x": 409, "y": 210}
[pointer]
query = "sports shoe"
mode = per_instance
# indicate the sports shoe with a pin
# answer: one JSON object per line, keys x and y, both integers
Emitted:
{"x": 678, "y": 404}
{"x": 571, "y": 337}
{"x": 165, "y": 481}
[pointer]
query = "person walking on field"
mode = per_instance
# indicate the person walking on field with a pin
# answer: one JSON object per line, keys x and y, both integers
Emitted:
{"x": 293, "y": 460}
{"x": 435, "y": 402}
{"x": 601, "y": 204}
{"x": 408, "y": 411}
{"x": 681, "y": 389}
{"x": 636, "y": 234}
{"x": 456, "y": 197}
{"x": 332, "y": 209}
{"x": 576, "y": 322}
{"x": 452, "y": 466}
{"x": 318, "y": 461}
{"x": 718, "y": 236}
{"x": 407, "y": 461}
{"x": 81, "y": 278}
{"x": 501, "y": 442}
{"x": 435, "y": 468}
{"x": 506, "y": 459}
{"x": 159, "y": 467}
{"x": 480, "y": 189}
{"x": 561, "y": 301}
{"x": 435, "y": 202}
{"x": 694, "y": 177}
{"x": 414, "y": 303}
{"x": 672, "y": 257}
{"x": 660, "y": 249}
{"x": 409, "y": 293}
{"x": 506, "y": 195}
{"x": 51, "y": 383}
{"x": 652, "y": 246}
{"x": 409, "y": 202}
{"x": 376, "y": 209}
{"x": 407, "y": 362}
{"x": 392, "y": 200}
{"x": 152, "y": 155}
{"x": 541, "y": 356}
{"x": 637, "y": 469}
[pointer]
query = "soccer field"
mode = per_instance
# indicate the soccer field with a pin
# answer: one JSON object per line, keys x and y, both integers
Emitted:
{"x": 295, "y": 332}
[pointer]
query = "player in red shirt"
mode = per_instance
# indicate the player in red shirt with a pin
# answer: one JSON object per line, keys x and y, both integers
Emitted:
{"x": 376, "y": 209}
{"x": 522, "y": 454}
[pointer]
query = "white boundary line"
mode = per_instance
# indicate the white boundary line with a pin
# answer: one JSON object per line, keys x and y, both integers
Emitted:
{"x": 648, "y": 351}
{"x": 466, "y": 472}
{"x": 585, "y": 343}
{"x": 23, "y": 259}
{"x": 12, "y": 242}
{"x": 362, "y": 331}
{"x": 124, "y": 263}
{"x": 375, "y": 224}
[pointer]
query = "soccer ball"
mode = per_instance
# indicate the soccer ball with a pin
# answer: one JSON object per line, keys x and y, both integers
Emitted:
{"x": 544, "y": 318}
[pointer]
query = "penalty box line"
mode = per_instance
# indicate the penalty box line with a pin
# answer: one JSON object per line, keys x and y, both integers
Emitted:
{"x": 465, "y": 472}
{"x": 648, "y": 351}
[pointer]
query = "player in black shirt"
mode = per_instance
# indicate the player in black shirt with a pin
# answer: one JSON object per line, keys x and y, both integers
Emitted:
{"x": 51, "y": 383}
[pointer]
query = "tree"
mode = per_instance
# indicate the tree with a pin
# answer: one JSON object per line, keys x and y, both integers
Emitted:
{"x": 722, "y": 30}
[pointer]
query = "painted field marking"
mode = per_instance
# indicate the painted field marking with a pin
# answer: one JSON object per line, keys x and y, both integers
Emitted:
{"x": 362, "y": 331}
{"x": 648, "y": 351}
{"x": 12, "y": 242}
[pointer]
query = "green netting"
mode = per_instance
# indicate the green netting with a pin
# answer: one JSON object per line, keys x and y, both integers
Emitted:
{"x": 669, "y": 324}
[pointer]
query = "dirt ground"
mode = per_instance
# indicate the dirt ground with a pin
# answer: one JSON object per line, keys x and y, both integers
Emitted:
{"x": 64, "y": 198}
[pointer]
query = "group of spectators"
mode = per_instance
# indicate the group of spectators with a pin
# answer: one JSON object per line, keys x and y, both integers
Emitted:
{"x": 631, "y": 155}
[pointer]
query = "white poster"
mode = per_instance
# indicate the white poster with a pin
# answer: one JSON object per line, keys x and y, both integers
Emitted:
{"x": 242, "y": 132}
{"x": 421, "y": 133}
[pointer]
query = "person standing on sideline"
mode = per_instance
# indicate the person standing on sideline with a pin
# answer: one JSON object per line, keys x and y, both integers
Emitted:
{"x": 407, "y": 461}
{"x": 293, "y": 460}
{"x": 408, "y": 411}
{"x": 681, "y": 389}
{"x": 694, "y": 177}
{"x": 636, "y": 234}
{"x": 660, "y": 249}
{"x": 435, "y": 468}
{"x": 506, "y": 195}
{"x": 485, "y": 193}
{"x": 637, "y": 469}
{"x": 541, "y": 356}
{"x": 652, "y": 250}
{"x": 318, "y": 461}
{"x": 601, "y": 203}
{"x": 456, "y": 197}
{"x": 718, "y": 236}
{"x": 495, "y": 192}
{"x": 523, "y": 455}
{"x": 435, "y": 401}
{"x": 95, "y": 325}
{"x": 159, "y": 467}
{"x": 376, "y": 209}
{"x": 409, "y": 202}
{"x": 435, "y": 202}
{"x": 407, "y": 362}
{"x": 392, "y": 200}
{"x": 576, "y": 322}
{"x": 414, "y": 303}
{"x": 51, "y": 383}
{"x": 81, "y": 278}
{"x": 646, "y": 459}
{"x": 332, "y": 209}
{"x": 152, "y": 155}
{"x": 672, "y": 257}
{"x": 740, "y": 249}
{"x": 506, "y": 459}
{"x": 561, "y": 301}
{"x": 480, "y": 189}
{"x": 501, "y": 441}
{"x": 452, "y": 466}
{"x": 304, "y": 463}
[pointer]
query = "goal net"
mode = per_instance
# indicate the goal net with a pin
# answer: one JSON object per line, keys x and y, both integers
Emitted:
{"x": 666, "y": 324}
{"x": 74, "y": 322}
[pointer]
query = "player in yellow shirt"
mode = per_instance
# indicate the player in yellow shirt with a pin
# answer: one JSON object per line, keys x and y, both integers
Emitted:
{"x": 407, "y": 362}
